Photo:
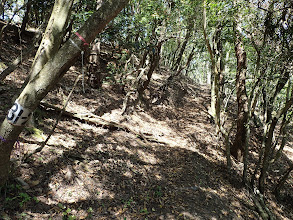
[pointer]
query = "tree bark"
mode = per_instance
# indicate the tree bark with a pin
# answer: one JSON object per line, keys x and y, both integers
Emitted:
{"x": 154, "y": 64}
{"x": 267, "y": 142}
{"x": 216, "y": 69}
{"x": 282, "y": 180}
{"x": 53, "y": 35}
{"x": 187, "y": 36}
{"x": 26, "y": 17}
{"x": 237, "y": 149}
{"x": 42, "y": 82}
{"x": 2, "y": 8}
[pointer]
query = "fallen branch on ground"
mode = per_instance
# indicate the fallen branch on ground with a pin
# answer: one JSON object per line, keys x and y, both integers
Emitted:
{"x": 90, "y": 119}
{"x": 93, "y": 119}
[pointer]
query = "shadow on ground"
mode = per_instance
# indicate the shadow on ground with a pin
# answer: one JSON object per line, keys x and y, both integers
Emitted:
{"x": 91, "y": 172}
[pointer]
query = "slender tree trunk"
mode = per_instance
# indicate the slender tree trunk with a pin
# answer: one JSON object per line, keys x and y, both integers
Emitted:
{"x": 187, "y": 65}
{"x": 268, "y": 142}
{"x": 2, "y": 8}
{"x": 218, "y": 74}
{"x": 51, "y": 73}
{"x": 216, "y": 70}
{"x": 283, "y": 79}
{"x": 36, "y": 14}
{"x": 184, "y": 44}
{"x": 172, "y": 62}
{"x": 154, "y": 64}
{"x": 26, "y": 17}
{"x": 282, "y": 180}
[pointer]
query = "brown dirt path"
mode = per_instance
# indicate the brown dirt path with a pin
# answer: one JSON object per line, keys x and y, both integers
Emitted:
{"x": 91, "y": 172}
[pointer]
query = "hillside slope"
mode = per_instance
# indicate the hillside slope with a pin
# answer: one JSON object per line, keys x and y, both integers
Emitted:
{"x": 169, "y": 164}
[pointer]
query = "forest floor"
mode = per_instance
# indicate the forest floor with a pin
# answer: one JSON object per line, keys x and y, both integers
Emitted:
{"x": 174, "y": 170}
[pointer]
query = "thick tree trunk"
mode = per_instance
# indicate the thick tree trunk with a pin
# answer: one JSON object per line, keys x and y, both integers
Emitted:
{"x": 239, "y": 144}
{"x": 53, "y": 35}
{"x": 52, "y": 72}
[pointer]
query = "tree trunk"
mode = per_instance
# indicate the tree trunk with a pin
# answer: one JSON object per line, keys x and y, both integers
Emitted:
{"x": 26, "y": 17}
{"x": 53, "y": 35}
{"x": 282, "y": 180}
{"x": 187, "y": 65}
{"x": 39, "y": 85}
{"x": 283, "y": 79}
{"x": 94, "y": 67}
{"x": 2, "y": 8}
{"x": 237, "y": 149}
{"x": 216, "y": 70}
{"x": 268, "y": 142}
{"x": 154, "y": 64}
{"x": 187, "y": 36}
{"x": 172, "y": 60}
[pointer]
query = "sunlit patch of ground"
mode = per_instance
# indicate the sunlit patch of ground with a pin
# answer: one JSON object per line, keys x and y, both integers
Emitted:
{"x": 95, "y": 172}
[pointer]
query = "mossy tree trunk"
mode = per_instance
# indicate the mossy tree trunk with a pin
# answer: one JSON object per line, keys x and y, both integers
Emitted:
{"x": 43, "y": 81}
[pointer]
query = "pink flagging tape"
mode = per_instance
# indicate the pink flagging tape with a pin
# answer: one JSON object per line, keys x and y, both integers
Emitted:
{"x": 82, "y": 39}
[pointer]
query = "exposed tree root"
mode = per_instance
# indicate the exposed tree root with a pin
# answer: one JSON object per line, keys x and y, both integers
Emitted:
{"x": 261, "y": 207}
{"x": 94, "y": 120}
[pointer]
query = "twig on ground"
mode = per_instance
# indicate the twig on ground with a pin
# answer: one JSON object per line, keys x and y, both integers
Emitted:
{"x": 43, "y": 144}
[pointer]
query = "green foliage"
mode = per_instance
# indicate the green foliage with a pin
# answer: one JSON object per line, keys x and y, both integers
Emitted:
{"x": 144, "y": 211}
{"x": 158, "y": 191}
{"x": 128, "y": 203}
{"x": 16, "y": 197}
{"x": 90, "y": 211}
{"x": 35, "y": 132}
{"x": 80, "y": 18}
{"x": 24, "y": 197}
{"x": 66, "y": 212}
